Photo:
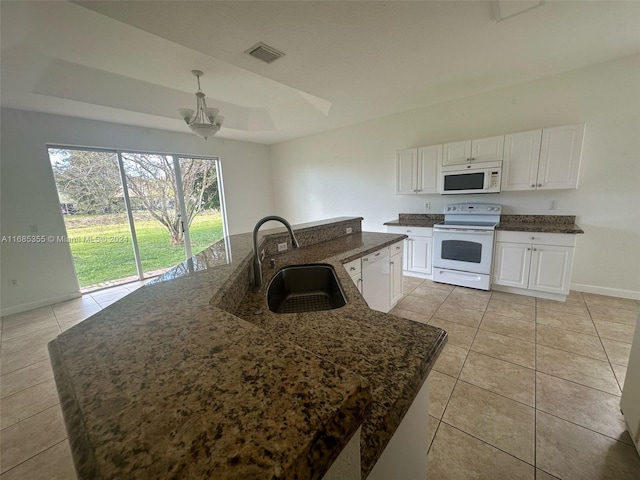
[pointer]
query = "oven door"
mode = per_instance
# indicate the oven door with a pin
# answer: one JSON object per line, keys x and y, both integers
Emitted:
{"x": 463, "y": 249}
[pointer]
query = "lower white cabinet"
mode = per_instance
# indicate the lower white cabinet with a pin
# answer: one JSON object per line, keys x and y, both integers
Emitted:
{"x": 354, "y": 268}
{"x": 378, "y": 277}
{"x": 395, "y": 263}
{"x": 417, "y": 250}
{"x": 538, "y": 262}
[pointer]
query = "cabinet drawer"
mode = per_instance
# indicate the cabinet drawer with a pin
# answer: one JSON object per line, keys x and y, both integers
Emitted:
{"x": 538, "y": 238}
{"x": 354, "y": 267}
{"x": 396, "y": 248}
{"x": 411, "y": 231}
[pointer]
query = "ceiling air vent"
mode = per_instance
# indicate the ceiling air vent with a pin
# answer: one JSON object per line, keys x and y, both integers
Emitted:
{"x": 264, "y": 52}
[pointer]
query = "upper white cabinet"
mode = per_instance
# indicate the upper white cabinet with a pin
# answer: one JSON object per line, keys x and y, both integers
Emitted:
{"x": 542, "y": 159}
{"x": 473, "y": 151}
{"x": 417, "y": 170}
{"x": 521, "y": 154}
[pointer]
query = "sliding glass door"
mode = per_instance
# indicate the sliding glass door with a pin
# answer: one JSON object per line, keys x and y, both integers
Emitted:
{"x": 152, "y": 210}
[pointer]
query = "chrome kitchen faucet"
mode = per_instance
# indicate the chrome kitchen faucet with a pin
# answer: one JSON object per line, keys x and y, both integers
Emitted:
{"x": 257, "y": 265}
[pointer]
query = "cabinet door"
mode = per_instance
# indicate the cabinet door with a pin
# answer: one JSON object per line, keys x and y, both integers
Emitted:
{"x": 456, "y": 153}
{"x": 550, "y": 269}
{"x": 429, "y": 159}
{"x": 560, "y": 157}
{"x": 520, "y": 166}
{"x": 396, "y": 272}
{"x": 419, "y": 260}
{"x": 406, "y": 171}
{"x": 487, "y": 149}
{"x": 511, "y": 264}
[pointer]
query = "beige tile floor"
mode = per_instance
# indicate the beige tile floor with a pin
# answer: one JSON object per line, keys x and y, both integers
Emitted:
{"x": 525, "y": 388}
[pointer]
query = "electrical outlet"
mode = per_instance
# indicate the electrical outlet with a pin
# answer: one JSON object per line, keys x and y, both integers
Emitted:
{"x": 553, "y": 205}
{"x": 427, "y": 206}
{"x": 349, "y": 230}
{"x": 13, "y": 282}
{"x": 282, "y": 247}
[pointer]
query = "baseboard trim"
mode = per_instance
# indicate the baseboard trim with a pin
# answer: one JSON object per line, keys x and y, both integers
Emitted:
{"x": 529, "y": 293}
{"x": 611, "y": 292}
{"x": 417, "y": 275}
{"x": 40, "y": 303}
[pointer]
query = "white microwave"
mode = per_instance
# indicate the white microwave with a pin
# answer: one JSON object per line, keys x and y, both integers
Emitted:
{"x": 478, "y": 178}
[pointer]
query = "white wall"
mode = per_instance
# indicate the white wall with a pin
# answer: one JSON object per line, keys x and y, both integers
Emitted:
{"x": 350, "y": 171}
{"x": 28, "y": 193}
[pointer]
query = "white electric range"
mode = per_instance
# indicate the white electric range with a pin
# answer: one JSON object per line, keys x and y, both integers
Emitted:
{"x": 463, "y": 244}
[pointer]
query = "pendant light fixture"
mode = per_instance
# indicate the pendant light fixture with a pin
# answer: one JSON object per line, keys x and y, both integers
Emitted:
{"x": 204, "y": 121}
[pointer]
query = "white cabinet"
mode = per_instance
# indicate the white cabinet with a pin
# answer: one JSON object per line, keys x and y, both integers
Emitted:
{"x": 395, "y": 262}
{"x": 480, "y": 150}
{"x": 354, "y": 268}
{"x": 379, "y": 277}
{"x": 417, "y": 170}
{"x": 417, "y": 250}
{"x": 521, "y": 155}
{"x": 543, "y": 159}
{"x": 539, "y": 262}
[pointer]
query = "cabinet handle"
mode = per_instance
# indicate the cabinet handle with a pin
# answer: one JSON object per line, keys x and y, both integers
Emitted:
{"x": 539, "y": 184}
{"x": 472, "y": 159}
{"x": 533, "y": 238}
{"x": 533, "y": 186}
{"x": 397, "y": 248}
{"x": 535, "y": 249}
{"x": 528, "y": 249}
{"x": 353, "y": 269}
{"x": 391, "y": 263}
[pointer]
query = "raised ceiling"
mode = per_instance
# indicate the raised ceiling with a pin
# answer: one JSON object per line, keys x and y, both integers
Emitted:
{"x": 345, "y": 61}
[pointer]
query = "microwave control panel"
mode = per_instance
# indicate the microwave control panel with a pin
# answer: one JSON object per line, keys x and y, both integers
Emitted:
{"x": 494, "y": 179}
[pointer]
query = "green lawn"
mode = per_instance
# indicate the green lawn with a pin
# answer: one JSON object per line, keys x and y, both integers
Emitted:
{"x": 102, "y": 249}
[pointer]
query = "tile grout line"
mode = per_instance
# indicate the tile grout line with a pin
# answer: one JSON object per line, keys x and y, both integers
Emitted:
{"x": 25, "y": 388}
{"x": 492, "y": 446}
{"x": 66, "y": 439}
{"x": 57, "y": 405}
{"x": 605, "y": 352}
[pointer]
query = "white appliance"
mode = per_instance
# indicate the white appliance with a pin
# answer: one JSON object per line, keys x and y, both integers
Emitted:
{"x": 630, "y": 401}
{"x": 376, "y": 272}
{"x": 478, "y": 178}
{"x": 463, "y": 244}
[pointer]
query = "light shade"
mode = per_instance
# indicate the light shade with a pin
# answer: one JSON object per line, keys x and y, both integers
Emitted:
{"x": 203, "y": 121}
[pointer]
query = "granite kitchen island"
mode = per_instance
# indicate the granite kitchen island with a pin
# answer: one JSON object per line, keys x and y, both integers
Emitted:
{"x": 192, "y": 377}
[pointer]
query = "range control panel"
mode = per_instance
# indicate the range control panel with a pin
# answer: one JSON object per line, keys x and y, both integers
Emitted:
{"x": 473, "y": 209}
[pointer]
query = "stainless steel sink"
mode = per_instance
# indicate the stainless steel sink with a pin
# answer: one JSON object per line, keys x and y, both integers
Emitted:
{"x": 305, "y": 288}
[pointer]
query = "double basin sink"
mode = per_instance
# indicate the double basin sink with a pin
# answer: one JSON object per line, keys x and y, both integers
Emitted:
{"x": 305, "y": 288}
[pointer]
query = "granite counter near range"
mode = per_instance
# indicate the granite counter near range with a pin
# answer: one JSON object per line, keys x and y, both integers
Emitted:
{"x": 516, "y": 223}
{"x": 170, "y": 383}
{"x": 540, "y": 223}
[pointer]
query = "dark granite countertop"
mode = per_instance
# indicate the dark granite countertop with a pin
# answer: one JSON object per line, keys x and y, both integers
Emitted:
{"x": 170, "y": 382}
{"x": 516, "y": 223}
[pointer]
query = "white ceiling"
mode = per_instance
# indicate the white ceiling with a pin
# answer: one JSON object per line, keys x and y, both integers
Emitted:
{"x": 346, "y": 61}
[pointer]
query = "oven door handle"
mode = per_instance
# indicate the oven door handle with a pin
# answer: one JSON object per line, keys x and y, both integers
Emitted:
{"x": 463, "y": 230}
